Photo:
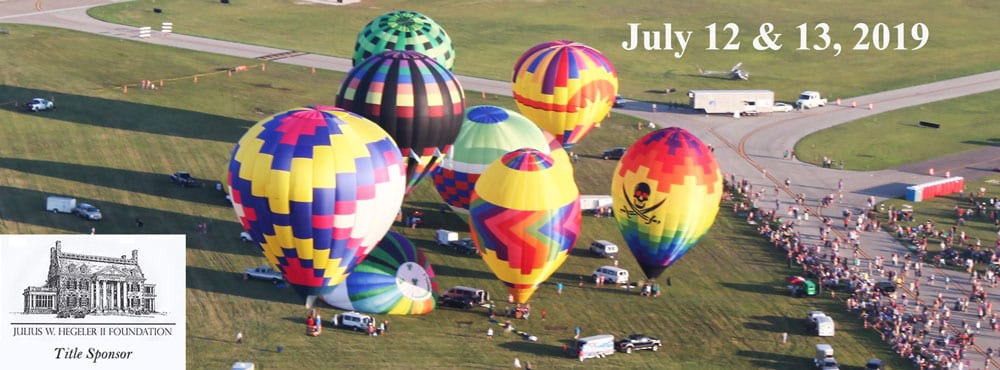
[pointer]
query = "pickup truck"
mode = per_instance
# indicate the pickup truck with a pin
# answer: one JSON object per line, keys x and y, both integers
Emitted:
{"x": 263, "y": 273}
{"x": 39, "y": 104}
{"x": 810, "y": 99}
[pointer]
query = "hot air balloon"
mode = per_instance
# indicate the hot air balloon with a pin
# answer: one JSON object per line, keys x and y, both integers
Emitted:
{"x": 665, "y": 192}
{"x": 487, "y": 134}
{"x": 404, "y": 30}
{"x": 565, "y": 87}
{"x": 524, "y": 218}
{"x": 558, "y": 153}
{"x": 416, "y": 100}
{"x": 394, "y": 279}
{"x": 316, "y": 188}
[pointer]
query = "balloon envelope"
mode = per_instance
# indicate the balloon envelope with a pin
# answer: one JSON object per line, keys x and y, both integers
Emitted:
{"x": 394, "y": 279}
{"x": 525, "y": 218}
{"x": 404, "y": 30}
{"x": 565, "y": 87}
{"x": 487, "y": 133}
{"x": 665, "y": 192}
{"x": 316, "y": 188}
{"x": 415, "y": 99}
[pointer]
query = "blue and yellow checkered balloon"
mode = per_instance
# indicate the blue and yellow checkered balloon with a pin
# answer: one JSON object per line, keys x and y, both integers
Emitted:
{"x": 316, "y": 188}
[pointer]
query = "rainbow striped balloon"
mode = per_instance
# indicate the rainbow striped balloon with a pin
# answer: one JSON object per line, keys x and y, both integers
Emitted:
{"x": 565, "y": 87}
{"x": 487, "y": 134}
{"x": 415, "y": 99}
{"x": 395, "y": 279}
{"x": 525, "y": 218}
{"x": 404, "y": 30}
{"x": 665, "y": 192}
{"x": 316, "y": 188}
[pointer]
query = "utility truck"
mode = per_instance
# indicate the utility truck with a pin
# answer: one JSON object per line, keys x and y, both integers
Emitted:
{"x": 809, "y": 100}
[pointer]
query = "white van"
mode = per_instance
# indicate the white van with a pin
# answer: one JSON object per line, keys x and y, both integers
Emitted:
{"x": 476, "y": 296}
{"x": 823, "y": 352}
{"x": 594, "y": 346}
{"x": 353, "y": 320}
{"x": 603, "y": 248}
{"x": 59, "y": 204}
{"x": 611, "y": 274}
{"x": 824, "y": 326}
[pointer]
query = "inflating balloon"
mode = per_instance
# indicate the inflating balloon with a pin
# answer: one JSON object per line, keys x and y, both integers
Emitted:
{"x": 487, "y": 134}
{"x": 316, "y": 188}
{"x": 525, "y": 218}
{"x": 404, "y": 30}
{"x": 665, "y": 192}
{"x": 415, "y": 99}
{"x": 565, "y": 87}
{"x": 395, "y": 279}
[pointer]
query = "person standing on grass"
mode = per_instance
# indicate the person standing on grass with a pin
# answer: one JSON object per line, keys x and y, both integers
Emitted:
{"x": 239, "y": 337}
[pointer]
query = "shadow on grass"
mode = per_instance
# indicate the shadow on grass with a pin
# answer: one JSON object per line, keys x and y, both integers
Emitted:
{"x": 757, "y": 288}
{"x": 132, "y": 116}
{"x": 133, "y": 181}
{"x": 988, "y": 142}
{"x": 232, "y": 283}
{"x": 444, "y": 270}
{"x": 534, "y": 348}
{"x": 774, "y": 324}
{"x": 768, "y": 360}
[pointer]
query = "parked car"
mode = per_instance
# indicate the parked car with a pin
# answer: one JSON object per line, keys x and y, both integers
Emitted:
{"x": 264, "y": 273}
{"x": 603, "y": 248}
{"x": 874, "y": 364}
{"x": 88, "y": 211}
{"x": 885, "y": 286}
{"x": 637, "y": 342}
{"x": 464, "y": 246}
{"x": 475, "y": 295}
{"x": 353, "y": 320}
{"x": 619, "y": 101}
{"x": 782, "y": 107}
{"x": 245, "y": 237}
{"x": 614, "y": 153}
{"x": 39, "y": 104}
{"x": 457, "y": 302}
{"x": 829, "y": 364}
{"x": 183, "y": 178}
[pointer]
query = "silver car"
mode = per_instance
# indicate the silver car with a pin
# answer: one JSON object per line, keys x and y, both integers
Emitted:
{"x": 87, "y": 211}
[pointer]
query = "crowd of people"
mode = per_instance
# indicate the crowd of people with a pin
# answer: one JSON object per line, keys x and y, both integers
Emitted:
{"x": 884, "y": 291}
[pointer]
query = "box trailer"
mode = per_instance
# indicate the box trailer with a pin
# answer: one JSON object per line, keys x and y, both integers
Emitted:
{"x": 60, "y": 204}
{"x": 591, "y": 202}
{"x": 735, "y": 102}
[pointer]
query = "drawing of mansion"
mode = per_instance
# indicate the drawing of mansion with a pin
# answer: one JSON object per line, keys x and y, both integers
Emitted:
{"x": 80, "y": 285}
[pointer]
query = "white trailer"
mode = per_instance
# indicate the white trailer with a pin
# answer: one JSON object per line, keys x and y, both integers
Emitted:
{"x": 60, "y": 204}
{"x": 735, "y": 102}
{"x": 589, "y": 202}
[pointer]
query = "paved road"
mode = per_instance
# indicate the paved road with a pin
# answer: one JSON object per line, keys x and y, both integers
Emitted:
{"x": 749, "y": 148}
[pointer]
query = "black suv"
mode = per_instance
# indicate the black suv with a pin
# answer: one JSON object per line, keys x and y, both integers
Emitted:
{"x": 614, "y": 153}
{"x": 183, "y": 178}
{"x": 457, "y": 302}
{"x": 464, "y": 246}
{"x": 885, "y": 286}
{"x": 638, "y": 341}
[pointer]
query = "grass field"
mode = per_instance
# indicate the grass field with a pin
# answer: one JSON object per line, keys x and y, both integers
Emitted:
{"x": 487, "y": 43}
{"x": 726, "y": 308}
{"x": 895, "y": 138}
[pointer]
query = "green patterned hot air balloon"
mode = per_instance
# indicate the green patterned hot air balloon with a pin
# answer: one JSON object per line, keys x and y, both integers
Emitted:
{"x": 404, "y": 30}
